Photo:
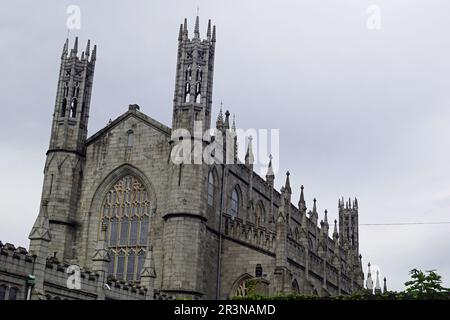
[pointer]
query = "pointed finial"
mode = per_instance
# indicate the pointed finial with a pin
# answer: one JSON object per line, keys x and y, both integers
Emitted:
{"x": 325, "y": 219}
{"x": 335, "y": 231}
{"x": 287, "y": 184}
{"x": 180, "y": 33}
{"x": 219, "y": 122}
{"x": 249, "y": 158}
{"x": 384, "y": 285}
{"x": 197, "y": 28}
{"x": 314, "y": 205}
{"x": 65, "y": 48}
{"x": 377, "y": 283}
{"x": 214, "y": 34}
{"x": 185, "y": 28}
{"x": 208, "y": 32}
{"x": 227, "y": 119}
{"x": 88, "y": 48}
{"x": 301, "y": 202}
{"x": 75, "y": 46}
{"x": 270, "y": 169}
{"x": 94, "y": 54}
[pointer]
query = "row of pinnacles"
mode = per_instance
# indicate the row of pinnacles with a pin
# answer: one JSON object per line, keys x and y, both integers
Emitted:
{"x": 343, "y": 246}
{"x": 291, "y": 233}
{"x": 369, "y": 283}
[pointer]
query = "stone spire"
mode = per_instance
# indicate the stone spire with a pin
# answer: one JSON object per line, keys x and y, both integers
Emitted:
{"x": 180, "y": 33}
{"x": 74, "y": 51}
{"x": 41, "y": 227}
{"x": 325, "y": 223}
{"x": 208, "y": 32}
{"x": 377, "y": 284}
{"x": 336, "y": 238}
{"x": 301, "y": 202}
{"x": 197, "y": 28}
{"x": 369, "y": 281}
{"x": 219, "y": 122}
{"x": 94, "y": 53}
{"x": 88, "y": 49}
{"x": 214, "y": 34}
{"x": 185, "y": 28}
{"x": 287, "y": 184}
{"x": 384, "y": 285}
{"x": 227, "y": 120}
{"x": 249, "y": 158}
{"x": 270, "y": 176}
{"x": 335, "y": 230}
{"x": 234, "y": 134}
{"x": 314, "y": 215}
{"x": 65, "y": 48}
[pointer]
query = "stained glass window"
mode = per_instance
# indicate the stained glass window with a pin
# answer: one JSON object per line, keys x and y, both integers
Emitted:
{"x": 126, "y": 211}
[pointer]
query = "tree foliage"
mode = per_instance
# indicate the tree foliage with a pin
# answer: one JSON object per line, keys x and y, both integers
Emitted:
{"x": 425, "y": 285}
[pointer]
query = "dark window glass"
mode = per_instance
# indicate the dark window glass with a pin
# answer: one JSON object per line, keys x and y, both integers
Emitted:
{"x": 134, "y": 232}
{"x": 2, "y": 292}
{"x": 12, "y": 294}
{"x": 120, "y": 265}
{"x": 144, "y": 231}
{"x": 130, "y": 266}
{"x": 113, "y": 237}
{"x": 124, "y": 232}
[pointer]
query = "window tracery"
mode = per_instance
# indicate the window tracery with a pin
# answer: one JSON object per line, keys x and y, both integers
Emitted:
{"x": 126, "y": 211}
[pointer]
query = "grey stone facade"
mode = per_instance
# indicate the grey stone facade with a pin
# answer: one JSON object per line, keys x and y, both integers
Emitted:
{"x": 195, "y": 247}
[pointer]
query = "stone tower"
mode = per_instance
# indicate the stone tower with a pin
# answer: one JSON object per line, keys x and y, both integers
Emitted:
{"x": 184, "y": 238}
{"x": 348, "y": 224}
{"x": 194, "y": 78}
{"x": 65, "y": 157}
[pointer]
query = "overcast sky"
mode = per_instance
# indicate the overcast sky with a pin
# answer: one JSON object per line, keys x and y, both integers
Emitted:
{"x": 361, "y": 112}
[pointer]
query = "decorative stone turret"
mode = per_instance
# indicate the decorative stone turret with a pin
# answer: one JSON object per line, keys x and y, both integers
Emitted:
{"x": 40, "y": 238}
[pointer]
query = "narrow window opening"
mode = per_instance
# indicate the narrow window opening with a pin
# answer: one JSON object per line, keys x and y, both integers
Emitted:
{"x": 64, "y": 108}
{"x": 187, "y": 92}
{"x": 130, "y": 139}
{"x": 73, "y": 108}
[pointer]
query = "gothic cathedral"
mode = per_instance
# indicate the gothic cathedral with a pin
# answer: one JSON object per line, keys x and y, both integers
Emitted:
{"x": 132, "y": 224}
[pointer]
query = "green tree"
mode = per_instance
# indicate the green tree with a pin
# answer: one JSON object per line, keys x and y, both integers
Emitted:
{"x": 426, "y": 285}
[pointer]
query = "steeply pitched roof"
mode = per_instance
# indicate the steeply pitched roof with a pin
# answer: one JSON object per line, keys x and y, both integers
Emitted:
{"x": 133, "y": 111}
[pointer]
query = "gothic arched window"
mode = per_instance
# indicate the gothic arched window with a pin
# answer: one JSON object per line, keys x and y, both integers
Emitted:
{"x": 234, "y": 205}
{"x": 259, "y": 214}
{"x": 126, "y": 210}
{"x": 211, "y": 190}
